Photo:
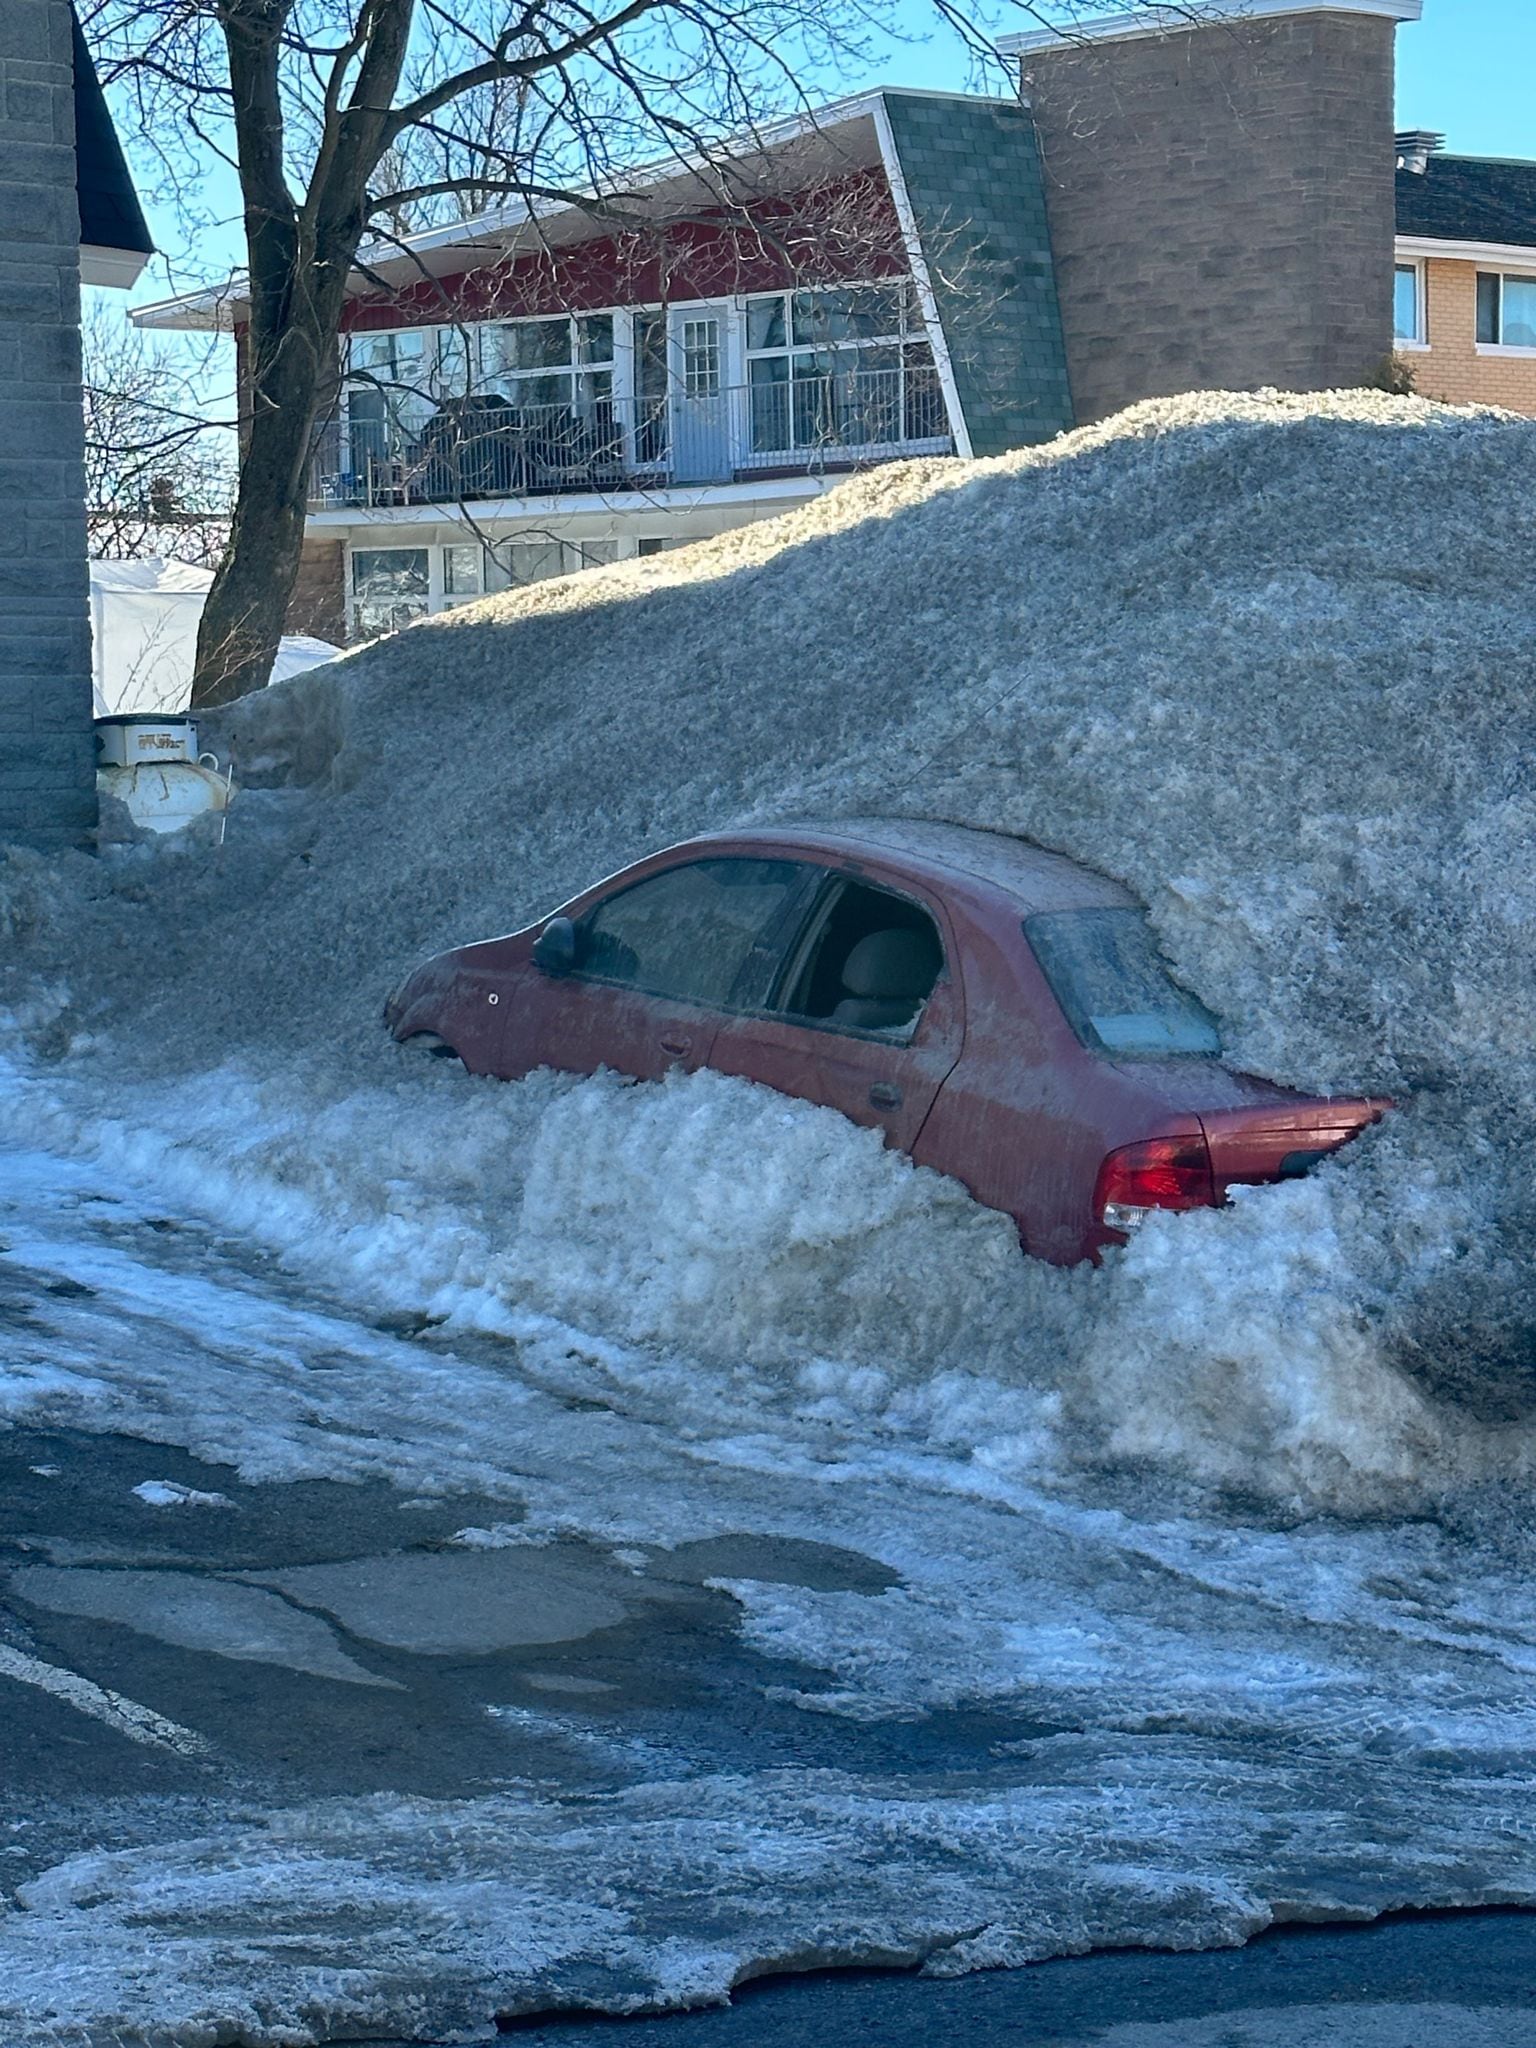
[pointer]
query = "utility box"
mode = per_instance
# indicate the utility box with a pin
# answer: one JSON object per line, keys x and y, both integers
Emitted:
{"x": 135, "y": 741}
{"x": 152, "y": 765}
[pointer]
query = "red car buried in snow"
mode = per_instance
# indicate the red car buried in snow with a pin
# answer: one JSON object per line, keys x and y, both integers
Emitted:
{"x": 1003, "y": 1014}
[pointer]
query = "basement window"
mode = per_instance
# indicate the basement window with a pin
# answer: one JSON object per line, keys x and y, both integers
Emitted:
{"x": 390, "y": 587}
{"x": 1506, "y": 310}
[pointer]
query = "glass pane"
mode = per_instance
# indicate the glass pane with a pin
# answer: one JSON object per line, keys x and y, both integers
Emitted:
{"x": 452, "y": 379}
{"x": 925, "y": 416}
{"x": 372, "y": 352}
{"x": 461, "y": 570}
{"x": 1519, "y": 312}
{"x": 769, "y": 383}
{"x": 594, "y": 338}
{"x": 858, "y": 314}
{"x": 532, "y": 561}
{"x": 592, "y": 554}
{"x": 701, "y": 357}
{"x": 373, "y": 616}
{"x": 825, "y": 362}
{"x": 526, "y": 392}
{"x": 651, "y": 354}
{"x": 1113, "y": 984}
{"x": 389, "y": 588}
{"x": 1406, "y": 303}
{"x": 393, "y": 572}
{"x": 689, "y": 932}
{"x": 1487, "y": 306}
{"x": 766, "y": 326}
{"x": 537, "y": 344}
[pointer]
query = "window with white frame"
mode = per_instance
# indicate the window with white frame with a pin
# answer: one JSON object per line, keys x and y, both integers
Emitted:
{"x": 566, "y": 361}
{"x": 1408, "y": 323}
{"x": 463, "y": 572}
{"x": 1506, "y": 310}
{"x": 390, "y": 391}
{"x": 390, "y": 587}
{"x": 846, "y": 366}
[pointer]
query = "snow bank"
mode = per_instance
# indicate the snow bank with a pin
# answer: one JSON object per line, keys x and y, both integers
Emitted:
{"x": 1268, "y": 659}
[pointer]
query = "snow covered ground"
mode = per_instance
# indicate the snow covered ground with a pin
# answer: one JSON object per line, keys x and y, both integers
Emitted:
{"x": 1216, "y": 1558}
{"x": 1061, "y": 1715}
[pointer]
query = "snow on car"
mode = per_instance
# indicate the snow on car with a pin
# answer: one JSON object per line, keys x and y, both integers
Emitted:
{"x": 1001, "y": 1013}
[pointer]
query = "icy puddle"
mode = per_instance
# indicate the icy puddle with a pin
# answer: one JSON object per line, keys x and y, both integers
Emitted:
{"x": 551, "y": 1686}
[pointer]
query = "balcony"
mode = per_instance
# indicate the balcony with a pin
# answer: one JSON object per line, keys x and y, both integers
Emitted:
{"x": 491, "y": 447}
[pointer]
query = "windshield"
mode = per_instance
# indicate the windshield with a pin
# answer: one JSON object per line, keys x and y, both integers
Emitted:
{"x": 1105, "y": 970}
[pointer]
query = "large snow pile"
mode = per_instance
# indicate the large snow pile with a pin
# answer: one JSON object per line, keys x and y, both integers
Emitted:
{"x": 1268, "y": 659}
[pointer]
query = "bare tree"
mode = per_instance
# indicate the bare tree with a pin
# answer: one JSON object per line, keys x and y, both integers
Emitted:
{"x": 159, "y": 474}
{"x": 338, "y": 114}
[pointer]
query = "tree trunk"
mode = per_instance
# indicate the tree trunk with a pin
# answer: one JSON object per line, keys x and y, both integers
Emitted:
{"x": 243, "y": 618}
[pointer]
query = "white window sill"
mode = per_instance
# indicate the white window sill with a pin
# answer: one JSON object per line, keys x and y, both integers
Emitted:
{"x": 1410, "y": 348}
{"x": 1491, "y": 348}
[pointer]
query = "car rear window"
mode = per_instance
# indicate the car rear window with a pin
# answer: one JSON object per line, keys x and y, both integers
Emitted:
{"x": 1106, "y": 972}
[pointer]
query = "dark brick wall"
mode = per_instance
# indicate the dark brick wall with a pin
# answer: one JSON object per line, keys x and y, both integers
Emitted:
{"x": 972, "y": 174}
{"x": 318, "y": 603}
{"x": 1221, "y": 205}
{"x": 47, "y": 745}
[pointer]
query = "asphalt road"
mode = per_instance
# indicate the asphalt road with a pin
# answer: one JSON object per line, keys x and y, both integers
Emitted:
{"x": 1423, "y": 1980}
{"x": 180, "y": 1650}
{"x": 289, "y": 1729}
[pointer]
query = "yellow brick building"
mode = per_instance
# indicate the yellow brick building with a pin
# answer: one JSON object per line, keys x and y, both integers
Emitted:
{"x": 1466, "y": 274}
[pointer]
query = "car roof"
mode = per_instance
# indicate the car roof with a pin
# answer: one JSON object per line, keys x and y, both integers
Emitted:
{"x": 1034, "y": 878}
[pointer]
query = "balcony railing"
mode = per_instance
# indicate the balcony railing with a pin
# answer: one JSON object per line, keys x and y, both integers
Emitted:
{"x": 491, "y": 447}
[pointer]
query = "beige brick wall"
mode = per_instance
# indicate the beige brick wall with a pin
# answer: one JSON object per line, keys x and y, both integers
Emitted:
{"x": 1451, "y": 367}
{"x": 1220, "y": 204}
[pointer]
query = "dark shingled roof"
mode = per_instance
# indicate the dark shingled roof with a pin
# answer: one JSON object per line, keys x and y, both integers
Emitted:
{"x": 1469, "y": 199}
{"x": 110, "y": 214}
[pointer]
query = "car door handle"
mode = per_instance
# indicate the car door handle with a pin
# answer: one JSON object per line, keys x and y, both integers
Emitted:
{"x": 885, "y": 1095}
{"x": 677, "y": 1046}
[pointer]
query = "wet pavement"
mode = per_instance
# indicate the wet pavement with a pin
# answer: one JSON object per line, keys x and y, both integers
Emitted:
{"x": 187, "y": 1658}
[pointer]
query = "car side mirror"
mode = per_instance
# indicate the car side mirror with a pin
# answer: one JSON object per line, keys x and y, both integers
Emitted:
{"x": 554, "y": 950}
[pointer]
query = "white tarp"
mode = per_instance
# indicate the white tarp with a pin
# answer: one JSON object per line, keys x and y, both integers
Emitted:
{"x": 144, "y": 620}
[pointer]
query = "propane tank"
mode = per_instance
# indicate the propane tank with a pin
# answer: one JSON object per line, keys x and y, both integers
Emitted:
{"x": 151, "y": 764}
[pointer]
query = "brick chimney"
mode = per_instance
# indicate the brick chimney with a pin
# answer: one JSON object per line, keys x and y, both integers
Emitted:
{"x": 1219, "y": 188}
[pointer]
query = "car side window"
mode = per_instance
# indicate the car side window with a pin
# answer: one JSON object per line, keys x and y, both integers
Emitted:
{"x": 699, "y": 932}
{"x": 866, "y": 961}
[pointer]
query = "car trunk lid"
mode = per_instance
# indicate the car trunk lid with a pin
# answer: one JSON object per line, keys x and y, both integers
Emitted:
{"x": 1262, "y": 1142}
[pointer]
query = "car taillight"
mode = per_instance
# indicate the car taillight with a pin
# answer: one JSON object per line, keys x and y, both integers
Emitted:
{"x": 1158, "y": 1173}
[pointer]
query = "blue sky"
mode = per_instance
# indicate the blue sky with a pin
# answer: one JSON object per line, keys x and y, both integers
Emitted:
{"x": 1468, "y": 68}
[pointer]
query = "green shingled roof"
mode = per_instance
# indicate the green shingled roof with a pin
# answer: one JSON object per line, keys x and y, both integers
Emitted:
{"x": 973, "y": 176}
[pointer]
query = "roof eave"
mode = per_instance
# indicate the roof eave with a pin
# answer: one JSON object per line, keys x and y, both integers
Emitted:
{"x": 1175, "y": 19}
{"x": 1454, "y": 249}
{"x": 221, "y": 306}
